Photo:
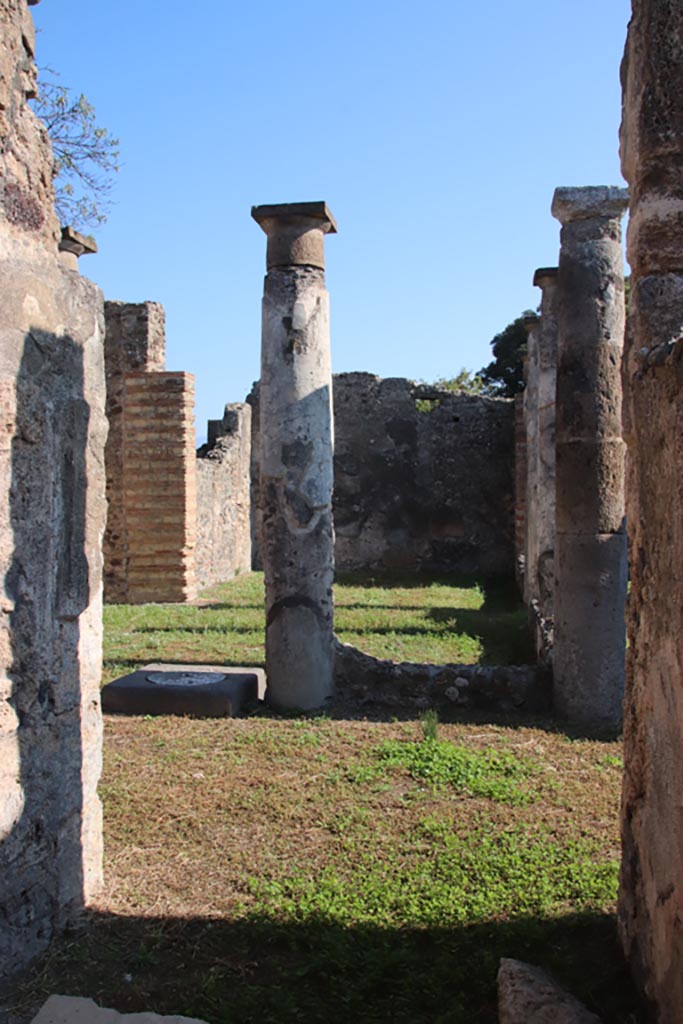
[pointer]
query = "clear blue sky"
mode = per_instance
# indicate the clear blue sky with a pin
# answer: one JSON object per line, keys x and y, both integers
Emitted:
{"x": 435, "y": 130}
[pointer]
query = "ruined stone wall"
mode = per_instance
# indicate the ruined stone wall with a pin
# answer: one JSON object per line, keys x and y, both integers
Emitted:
{"x": 134, "y": 341}
{"x": 52, "y": 436}
{"x": 651, "y": 888}
{"x": 223, "y": 546}
{"x": 423, "y": 478}
{"x": 159, "y": 487}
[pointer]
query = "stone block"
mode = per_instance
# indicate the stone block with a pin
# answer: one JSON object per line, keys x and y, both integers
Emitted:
{"x": 527, "y": 995}
{"x": 199, "y": 690}
{"x": 76, "y": 1010}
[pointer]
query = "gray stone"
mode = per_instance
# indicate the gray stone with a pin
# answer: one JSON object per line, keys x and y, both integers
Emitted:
{"x": 650, "y": 906}
{"x": 52, "y": 511}
{"x": 590, "y": 548}
{"x": 423, "y": 478}
{"x": 77, "y": 1010}
{"x": 527, "y": 995}
{"x": 201, "y": 691}
{"x": 296, "y": 458}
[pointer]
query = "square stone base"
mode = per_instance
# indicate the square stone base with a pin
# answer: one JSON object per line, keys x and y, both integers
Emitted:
{"x": 204, "y": 691}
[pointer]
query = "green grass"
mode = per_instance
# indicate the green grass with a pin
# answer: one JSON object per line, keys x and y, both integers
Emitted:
{"x": 403, "y": 620}
{"x": 334, "y": 870}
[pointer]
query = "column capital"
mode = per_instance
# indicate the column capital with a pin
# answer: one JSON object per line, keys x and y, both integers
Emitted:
{"x": 531, "y": 321}
{"x": 545, "y": 276}
{"x": 588, "y": 202}
{"x": 296, "y": 233}
{"x": 73, "y": 244}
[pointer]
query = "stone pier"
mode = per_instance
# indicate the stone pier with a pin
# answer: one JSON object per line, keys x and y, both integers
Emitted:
{"x": 540, "y": 559}
{"x": 651, "y": 889}
{"x": 52, "y": 511}
{"x": 296, "y": 456}
{"x": 590, "y": 552}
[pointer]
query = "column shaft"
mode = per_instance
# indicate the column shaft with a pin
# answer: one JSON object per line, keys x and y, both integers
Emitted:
{"x": 296, "y": 458}
{"x": 590, "y": 551}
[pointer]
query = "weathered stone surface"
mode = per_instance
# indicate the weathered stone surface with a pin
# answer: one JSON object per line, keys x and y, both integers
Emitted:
{"x": 26, "y": 191}
{"x": 527, "y": 995}
{"x": 422, "y": 477}
{"x": 540, "y": 504}
{"x": 370, "y": 683}
{"x": 590, "y": 547}
{"x": 223, "y": 544}
{"x": 651, "y": 888}
{"x": 52, "y": 435}
{"x": 212, "y": 692}
{"x": 296, "y": 460}
{"x": 76, "y": 1010}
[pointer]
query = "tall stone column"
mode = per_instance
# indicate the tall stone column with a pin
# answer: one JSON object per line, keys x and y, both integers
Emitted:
{"x": 546, "y": 279}
{"x": 532, "y": 325}
{"x": 591, "y": 557}
{"x": 296, "y": 457}
{"x": 651, "y": 885}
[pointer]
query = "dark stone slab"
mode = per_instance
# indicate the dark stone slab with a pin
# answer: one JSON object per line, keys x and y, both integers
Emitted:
{"x": 205, "y": 692}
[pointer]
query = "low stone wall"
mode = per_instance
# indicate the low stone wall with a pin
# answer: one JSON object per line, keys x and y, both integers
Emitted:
{"x": 223, "y": 544}
{"x": 423, "y": 478}
{"x": 368, "y": 683}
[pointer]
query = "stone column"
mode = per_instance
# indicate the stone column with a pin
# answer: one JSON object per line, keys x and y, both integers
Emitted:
{"x": 651, "y": 884}
{"x": 591, "y": 558}
{"x": 296, "y": 458}
{"x": 532, "y": 327}
{"x": 545, "y": 278}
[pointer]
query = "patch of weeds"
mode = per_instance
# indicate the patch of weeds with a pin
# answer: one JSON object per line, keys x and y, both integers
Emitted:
{"x": 611, "y": 761}
{"x": 448, "y": 880}
{"x": 490, "y": 773}
{"x": 429, "y": 720}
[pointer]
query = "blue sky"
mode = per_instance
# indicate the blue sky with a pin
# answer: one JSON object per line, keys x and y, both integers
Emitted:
{"x": 436, "y": 132}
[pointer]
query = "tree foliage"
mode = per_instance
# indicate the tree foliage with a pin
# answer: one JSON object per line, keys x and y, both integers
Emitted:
{"x": 86, "y": 156}
{"x": 465, "y": 383}
{"x": 504, "y": 376}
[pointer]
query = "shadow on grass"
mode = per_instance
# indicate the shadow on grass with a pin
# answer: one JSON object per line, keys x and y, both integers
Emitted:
{"x": 315, "y": 971}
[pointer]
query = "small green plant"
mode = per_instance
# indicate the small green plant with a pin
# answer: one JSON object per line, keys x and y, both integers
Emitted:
{"x": 430, "y": 724}
{"x": 488, "y": 773}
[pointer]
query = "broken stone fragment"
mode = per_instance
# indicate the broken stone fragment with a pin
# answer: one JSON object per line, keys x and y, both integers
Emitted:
{"x": 76, "y": 1010}
{"x": 527, "y": 995}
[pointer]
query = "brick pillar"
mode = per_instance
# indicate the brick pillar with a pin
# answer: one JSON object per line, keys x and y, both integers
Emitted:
{"x": 134, "y": 341}
{"x": 159, "y": 473}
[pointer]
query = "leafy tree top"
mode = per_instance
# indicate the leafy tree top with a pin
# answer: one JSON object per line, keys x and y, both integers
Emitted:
{"x": 86, "y": 156}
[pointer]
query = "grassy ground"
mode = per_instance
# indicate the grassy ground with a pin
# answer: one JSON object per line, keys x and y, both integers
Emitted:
{"x": 319, "y": 870}
{"x": 393, "y": 618}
